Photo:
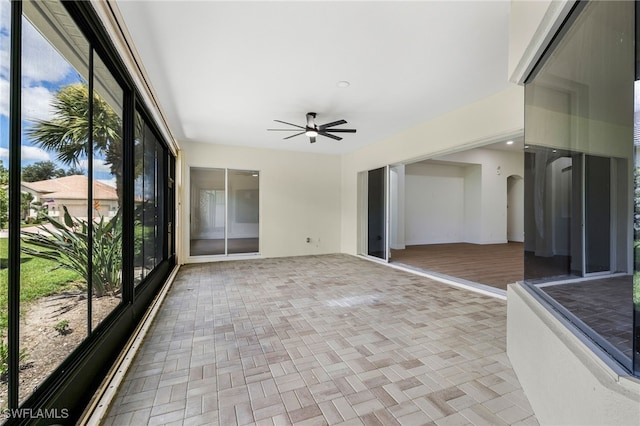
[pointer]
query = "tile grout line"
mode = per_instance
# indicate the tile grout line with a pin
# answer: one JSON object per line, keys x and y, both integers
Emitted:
{"x": 96, "y": 412}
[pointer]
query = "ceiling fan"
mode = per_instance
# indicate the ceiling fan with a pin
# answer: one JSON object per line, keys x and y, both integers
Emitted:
{"x": 312, "y": 129}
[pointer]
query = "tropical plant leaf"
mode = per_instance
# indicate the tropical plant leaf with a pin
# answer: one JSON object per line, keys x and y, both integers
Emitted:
{"x": 67, "y": 244}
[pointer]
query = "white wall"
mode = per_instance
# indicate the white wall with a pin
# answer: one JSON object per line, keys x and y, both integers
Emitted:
{"x": 434, "y": 203}
{"x": 473, "y": 221}
{"x": 461, "y": 197}
{"x": 397, "y": 240}
{"x": 500, "y": 115}
{"x": 299, "y": 196}
{"x": 491, "y": 207}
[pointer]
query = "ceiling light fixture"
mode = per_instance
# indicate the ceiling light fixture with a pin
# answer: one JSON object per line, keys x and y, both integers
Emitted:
{"x": 311, "y": 133}
{"x": 509, "y": 142}
{"x": 343, "y": 84}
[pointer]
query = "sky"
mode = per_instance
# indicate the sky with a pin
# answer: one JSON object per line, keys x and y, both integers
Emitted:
{"x": 44, "y": 71}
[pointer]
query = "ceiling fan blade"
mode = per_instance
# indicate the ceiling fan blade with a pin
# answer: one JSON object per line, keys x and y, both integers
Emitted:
{"x": 340, "y": 130}
{"x": 312, "y": 139}
{"x": 283, "y": 130}
{"x": 290, "y": 124}
{"x": 293, "y": 136}
{"x": 330, "y": 136}
{"x": 333, "y": 123}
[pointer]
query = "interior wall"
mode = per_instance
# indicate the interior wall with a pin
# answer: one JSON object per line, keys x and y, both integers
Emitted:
{"x": 397, "y": 219}
{"x": 463, "y": 197}
{"x": 490, "y": 207}
{"x": 473, "y": 196}
{"x": 434, "y": 203}
{"x": 500, "y": 115}
{"x": 299, "y": 196}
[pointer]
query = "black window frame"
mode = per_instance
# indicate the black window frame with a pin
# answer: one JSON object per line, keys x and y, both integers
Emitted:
{"x": 71, "y": 386}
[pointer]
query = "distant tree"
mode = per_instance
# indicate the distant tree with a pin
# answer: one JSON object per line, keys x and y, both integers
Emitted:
{"x": 25, "y": 204}
{"x": 73, "y": 170}
{"x": 42, "y": 170}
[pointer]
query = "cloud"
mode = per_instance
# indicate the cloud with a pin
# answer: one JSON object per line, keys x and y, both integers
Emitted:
{"x": 40, "y": 61}
{"x": 36, "y": 102}
{"x": 28, "y": 153}
{"x": 99, "y": 166}
{"x": 5, "y": 15}
{"x": 34, "y": 153}
{"x": 5, "y": 41}
{"x": 4, "y": 97}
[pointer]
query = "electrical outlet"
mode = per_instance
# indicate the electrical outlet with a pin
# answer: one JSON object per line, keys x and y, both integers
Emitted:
{"x": 308, "y": 239}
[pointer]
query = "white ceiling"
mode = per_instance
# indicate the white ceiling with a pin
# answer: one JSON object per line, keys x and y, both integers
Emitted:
{"x": 223, "y": 71}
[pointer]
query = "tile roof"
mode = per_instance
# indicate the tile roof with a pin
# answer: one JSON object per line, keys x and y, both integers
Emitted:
{"x": 72, "y": 187}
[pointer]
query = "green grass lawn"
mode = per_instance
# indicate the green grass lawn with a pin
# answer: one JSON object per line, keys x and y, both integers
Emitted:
{"x": 37, "y": 279}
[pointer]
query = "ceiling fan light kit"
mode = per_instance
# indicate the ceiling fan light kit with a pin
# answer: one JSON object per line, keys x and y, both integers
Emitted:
{"x": 312, "y": 130}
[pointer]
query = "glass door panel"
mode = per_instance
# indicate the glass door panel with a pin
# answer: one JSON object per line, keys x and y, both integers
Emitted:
{"x": 597, "y": 218}
{"x": 243, "y": 218}
{"x": 377, "y": 213}
{"x": 208, "y": 203}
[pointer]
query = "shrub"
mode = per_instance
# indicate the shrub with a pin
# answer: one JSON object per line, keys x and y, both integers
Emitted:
{"x": 62, "y": 327}
{"x": 66, "y": 243}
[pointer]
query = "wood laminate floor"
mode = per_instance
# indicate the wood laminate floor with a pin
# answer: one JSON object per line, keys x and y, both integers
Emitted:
{"x": 495, "y": 265}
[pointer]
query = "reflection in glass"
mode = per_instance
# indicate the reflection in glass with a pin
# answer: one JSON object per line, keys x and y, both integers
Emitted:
{"x": 225, "y": 212}
{"x": 149, "y": 239}
{"x": 636, "y": 223}
{"x": 138, "y": 200}
{"x": 208, "y": 209}
{"x": 579, "y": 175}
{"x": 160, "y": 231}
{"x": 107, "y": 192}
{"x": 55, "y": 146}
{"x": 244, "y": 212}
{"x": 376, "y": 213}
{"x": 5, "y": 28}
{"x": 149, "y": 200}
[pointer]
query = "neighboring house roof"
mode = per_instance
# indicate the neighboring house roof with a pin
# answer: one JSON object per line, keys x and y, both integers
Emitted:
{"x": 72, "y": 188}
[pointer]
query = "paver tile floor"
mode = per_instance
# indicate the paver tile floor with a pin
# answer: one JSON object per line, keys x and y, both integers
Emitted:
{"x": 315, "y": 340}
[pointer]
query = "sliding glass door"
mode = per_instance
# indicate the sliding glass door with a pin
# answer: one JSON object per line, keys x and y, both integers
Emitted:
{"x": 224, "y": 212}
{"x": 597, "y": 214}
{"x": 243, "y": 212}
{"x": 377, "y": 214}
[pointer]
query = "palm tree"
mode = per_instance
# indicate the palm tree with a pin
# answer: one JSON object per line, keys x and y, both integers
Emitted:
{"x": 67, "y": 133}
